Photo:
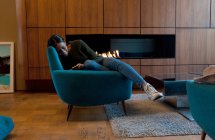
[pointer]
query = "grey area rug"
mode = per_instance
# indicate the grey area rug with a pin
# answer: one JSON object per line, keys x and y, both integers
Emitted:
{"x": 148, "y": 118}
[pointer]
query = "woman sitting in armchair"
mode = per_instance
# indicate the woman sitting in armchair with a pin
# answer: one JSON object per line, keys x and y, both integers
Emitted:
{"x": 78, "y": 55}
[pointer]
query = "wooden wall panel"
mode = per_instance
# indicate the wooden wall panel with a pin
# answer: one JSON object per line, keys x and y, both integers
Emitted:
{"x": 210, "y": 50}
{"x": 44, "y": 35}
{"x": 189, "y": 72}
{"x": 138, "y": 69}
{"x": 157, "y": 70}
{"x": 58, "y": 13}
{"x": 121, "y": 30}
{"x": 45, "y": 13}
{"x": 169, "y": 61}
{"x": 213, "y": 13}
{"x": 192, "y": 13}
{"x": 191, "y": 46}
{"x": 195, "y": 69}
{"x": 37, "y": 45}
{"x": 84, "y": 13}
{"x": 157, "y": 13}
{"x": 40, "y": 73}
{"x": 45, "y": 73}
{"x": 121, "y": 13}
{"x": 32, "y": 13}
{"x": 158, "y": 31}
{"x": 132, "y": 62}
{"x": 195, "y": 46}
{"x": 33, "y": 47}
{"x": 81, "y": 31}
{"x": 21, "y": 70}
{"x": 34, "y": 73}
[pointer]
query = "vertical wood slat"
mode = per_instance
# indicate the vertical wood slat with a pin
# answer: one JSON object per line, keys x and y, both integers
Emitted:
{"x": 121, "y": 13}
{"x": 158, "y": 13}
{"x": 32, "y": 13}
{"x": 33, "y": 47}
{"x": 213, "y": 13}
{"x": 193, "y": 13}
{"x": 21, "y": 71}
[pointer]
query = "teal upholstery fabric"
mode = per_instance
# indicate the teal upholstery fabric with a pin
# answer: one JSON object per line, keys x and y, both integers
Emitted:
{"x": 175, "y": 87}
{"x": 85, "y": 87}
{"x": 6, "y": 126}
{"x": 202, "y": 104}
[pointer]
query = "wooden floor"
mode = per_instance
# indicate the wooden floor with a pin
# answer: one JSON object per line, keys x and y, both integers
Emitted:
{"x": 42, "y": 116}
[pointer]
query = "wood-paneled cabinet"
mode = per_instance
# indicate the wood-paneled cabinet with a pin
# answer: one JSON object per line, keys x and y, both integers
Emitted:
{"x": 45, "y": 13}
{"x": 157, "y": 66}
{"x": 37, "y": 43}
{"x": 193, "y": 13}
{"x": 157, "y": 70}
{"x": 84, "y": 13}
{"x": 213, "y": 13}
{"x": 193, "y": 69}
{"x": 124, "y": 31}
{"x": 121, "y": 13}
{"x": 195, "y": 46}
{"x": 158, "y": 13}
{"x": 184, "y": 72}
{"x": 135, "y": 63}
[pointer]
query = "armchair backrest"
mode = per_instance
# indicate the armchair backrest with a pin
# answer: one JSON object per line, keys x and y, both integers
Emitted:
{"x": 53, "y": 59}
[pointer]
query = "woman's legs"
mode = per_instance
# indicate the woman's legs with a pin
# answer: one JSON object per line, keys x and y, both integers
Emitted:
{"x": 93, "y": 65}
{"x": 125, "y": 69}
{"x": 130, "y": 73}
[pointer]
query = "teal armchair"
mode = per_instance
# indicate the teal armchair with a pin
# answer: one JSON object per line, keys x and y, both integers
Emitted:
{"x": 202, "y": 105}
{"x": 86, "y": 87}
{"x": 6, "y": 126}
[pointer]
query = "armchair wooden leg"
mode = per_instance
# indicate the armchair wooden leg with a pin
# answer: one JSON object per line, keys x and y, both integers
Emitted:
{"x": 70, "y": 107}
{"x": 203, "y": 135}
{"x": 124, "y": 108}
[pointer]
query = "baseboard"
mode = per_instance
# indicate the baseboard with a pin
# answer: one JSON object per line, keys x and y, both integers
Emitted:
{"x": 40, "y": 85}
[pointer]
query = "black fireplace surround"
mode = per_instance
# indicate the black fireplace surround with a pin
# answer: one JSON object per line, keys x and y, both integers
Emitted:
{"x": 131, "y": 46}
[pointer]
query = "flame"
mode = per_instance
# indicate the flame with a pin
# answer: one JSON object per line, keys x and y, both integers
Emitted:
{"x": 110, "y": 54}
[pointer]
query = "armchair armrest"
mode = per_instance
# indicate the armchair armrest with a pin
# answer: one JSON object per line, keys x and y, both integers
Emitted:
{"x": 201, "y": 99}
{"x": 80, "y": 82}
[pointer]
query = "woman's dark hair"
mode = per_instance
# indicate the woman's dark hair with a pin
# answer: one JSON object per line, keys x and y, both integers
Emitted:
{"x": 54, "y": 39}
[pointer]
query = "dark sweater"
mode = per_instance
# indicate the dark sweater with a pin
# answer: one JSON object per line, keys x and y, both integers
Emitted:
{"x": 79, "y": 53}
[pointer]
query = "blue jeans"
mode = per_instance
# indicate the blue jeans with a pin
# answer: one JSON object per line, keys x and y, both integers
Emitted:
{"x": 116, "y": 65}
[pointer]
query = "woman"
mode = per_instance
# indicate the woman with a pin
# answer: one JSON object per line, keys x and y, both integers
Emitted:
{"x": 78, "y": 55}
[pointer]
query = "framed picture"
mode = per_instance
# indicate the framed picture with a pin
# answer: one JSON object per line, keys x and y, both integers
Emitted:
{"x": 6, "y": 67}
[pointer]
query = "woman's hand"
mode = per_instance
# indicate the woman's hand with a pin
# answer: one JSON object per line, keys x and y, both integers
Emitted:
{"x": 79, "y": 66}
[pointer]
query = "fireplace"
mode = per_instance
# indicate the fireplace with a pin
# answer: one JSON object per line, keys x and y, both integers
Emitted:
{"x": 131, "y": 46}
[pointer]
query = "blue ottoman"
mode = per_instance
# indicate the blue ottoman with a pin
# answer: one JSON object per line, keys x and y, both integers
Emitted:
{"x": 176, "y": 93}
{"x": 6, "y": 126}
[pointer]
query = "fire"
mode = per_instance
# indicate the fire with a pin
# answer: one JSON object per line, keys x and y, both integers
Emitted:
{"x": 114, "y": 54}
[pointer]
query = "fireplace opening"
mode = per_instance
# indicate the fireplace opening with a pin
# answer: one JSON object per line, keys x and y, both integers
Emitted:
{"x": 131, "y": 46}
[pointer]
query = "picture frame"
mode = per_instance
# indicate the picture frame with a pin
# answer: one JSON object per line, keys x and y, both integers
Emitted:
{"x": 6, "y": 67}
